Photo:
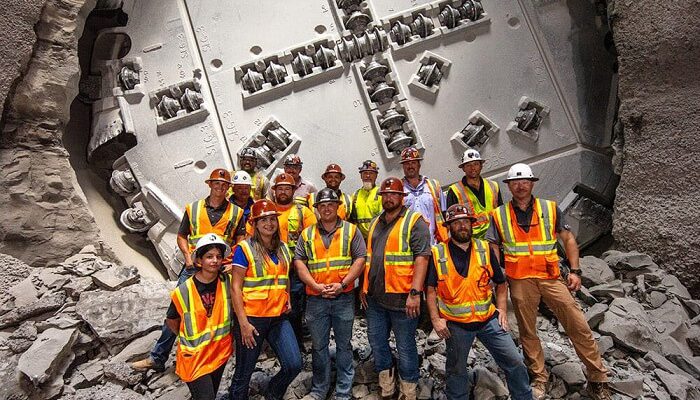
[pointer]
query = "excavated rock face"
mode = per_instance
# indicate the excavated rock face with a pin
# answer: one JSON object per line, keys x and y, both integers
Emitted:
{"x": 656, "y": 206}
{"x": 46, "y": 218}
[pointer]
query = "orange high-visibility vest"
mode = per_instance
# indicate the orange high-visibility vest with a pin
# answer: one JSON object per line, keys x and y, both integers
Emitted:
{"x": 265, "y": 283}
{"x": 463, "y": 299}
{"x": 482, "y": 213}
{"x": 204, "y": 343}
{"x": 441, "y": 231}
{"x": 332, "y": 264}
{"x": 398, "y": 258}
{"x": 531, "y": 254}
{"x": 200, "y": 224}
{"x": 344, "y": 208}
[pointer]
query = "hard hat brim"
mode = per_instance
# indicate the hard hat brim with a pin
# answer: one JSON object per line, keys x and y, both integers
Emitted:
{"x": 241, "y": 183}
{"x": 333, "y": 172}
{"x": 217, "y": 180}
{"x": 392, "y": 191}
{"x": 265, "y": 214}
{"x": 469, "y": 217}
{"x": 326, "y": 201}
{"x": 467, "y": 162}
{"x": 282, "y": 184}
{"x": 368, "y": 169}
{"x": 532, "y": 179}
{"x": 411, "y": 159}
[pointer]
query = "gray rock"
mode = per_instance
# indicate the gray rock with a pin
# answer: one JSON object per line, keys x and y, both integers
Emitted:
{"x": 425, "y": 388}
{"x": 437, "y": 362}
{"x": 605, "y": 343}
{"x": 176, "y": 393}
{"x": 656, "y": 299}
{"x": 110, "y": 391}
{"x": 119, "y": 316}
{"x": 663, "y": 363}
{"x": 14, "y": 272}
{"x": 78, "y": 285}
{"x": 364, "y": 372}
{"x": 595, "y": 271}
{"x": 675, "y": 287}
{"x": 138, "y": 348}
{"x": 628, "y": 323}
{"x": 122, "y": 373}
{"x": 9, "y": 384}
{"x": 167, "y": 379}
{"x": 22, "y": 338}
{"x": 595, "y": 314}
{"x": 59, "y": 322}
{"x": 612, "y": 290}
{"x": 632, "y": 387}
{"x": 360, "y": 391}
{"x": 115, "y": 278}
{"x": 50, "y": 350}
{"x": 87, "y": 374}
{"x": 571, "y": 373}
{"x": 486, "y": 382}
{"x": 633, "y": 260}
{"x": 554, "y": 354}
{"x": 693, "y": 340}
{"x": 693, "y": 306}
{"x": 680, "y": 387}
{"x": 24, "y": 293}
{"x": 52, "y": 279}
{"x": 48, "y": 302}
{"x": 582, "y": 294}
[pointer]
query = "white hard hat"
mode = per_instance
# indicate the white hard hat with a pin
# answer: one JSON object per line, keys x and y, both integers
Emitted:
{"x": 469, "y": 156}
{"x": 241, "y": 178}
{"x": 520, "y": 171}
{"x": 212, "y": 238}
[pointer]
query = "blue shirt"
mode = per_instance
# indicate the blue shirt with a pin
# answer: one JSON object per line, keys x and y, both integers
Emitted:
{"x": 241, "y": 261}
{"x": 420, "y": 200}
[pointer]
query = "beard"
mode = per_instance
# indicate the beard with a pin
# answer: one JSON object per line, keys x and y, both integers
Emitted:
{"x": 461, "y": 236}
{"x": 367, "y": 185}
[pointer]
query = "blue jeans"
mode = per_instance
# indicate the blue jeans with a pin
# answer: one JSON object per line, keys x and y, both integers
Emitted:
{"x": 279, "y": 334}
{"x": 322, "y": 315}
{"x": 380, "y": 321}
{"x": 161, "y": 351}
{"x": 504, "y": 352}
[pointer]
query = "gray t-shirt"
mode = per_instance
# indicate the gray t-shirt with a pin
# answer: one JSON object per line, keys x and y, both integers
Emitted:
{"x": 523, "y": 218}
{"x": 420, "y": 246}
{"x": 357, "y": 244}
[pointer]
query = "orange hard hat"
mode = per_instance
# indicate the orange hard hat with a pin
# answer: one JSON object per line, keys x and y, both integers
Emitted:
{"x": 262, "y": 208}
{"x": 331, "y": 168}
{"x": 391, "y": 185}
{"x": 410, "y": 154}
{"x": 284, "y": 179}
{"x": 458, "y": 211}
{"x": 219, "y": 174}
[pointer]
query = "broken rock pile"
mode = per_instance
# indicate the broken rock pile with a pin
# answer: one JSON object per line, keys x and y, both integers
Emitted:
{"x": 69, "y": 332}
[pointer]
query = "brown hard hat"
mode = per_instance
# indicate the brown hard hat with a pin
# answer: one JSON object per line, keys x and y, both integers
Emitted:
{"x": 293, "y": 159}
{"x": 410, "y": 154}
{"x": 284, "y": 179}
{"x": 391, "y": 185}
{"x": 219, "y": 174}
{"x": 331, "y": 168}
{"x": 262, "y": 208}
{"x": 458, "y": 211}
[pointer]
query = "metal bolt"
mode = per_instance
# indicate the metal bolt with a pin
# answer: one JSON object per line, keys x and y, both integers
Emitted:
{"x": 528, "y": 119}
{"x": 264, "y": 155}
{"x": 168, "y": 107}
{"x": 252, "y": 81}
{"x": 357, "y": 21}
{"x": 123, "y": 182}
{"x": 374, "y": 71}
{"x": 471, "y": 10}
{"x": 392, "y": 120}
{"x": 275, "y": 73}
{"x": 191, "y": 99}
{"x": 278, "y": 139}
{"x": 400, "y": 33}
{"x": 303, "y": 64}
{"x": 422, "y": 26}
{"x": 128, "y": 78}
{"x": 382, "y": 93}
{"x": 349, "y": 49}
{"x": 475, "y": 135}
{"x": 429, "y": 74}
{"x": 399, "y": 141}
{"x": 135, "y": 219}
{"x": 374, "y": 41}
{"x": 348, "y": 4}
{"x": 325, "y": 57}
{"x": 449, "y": 17}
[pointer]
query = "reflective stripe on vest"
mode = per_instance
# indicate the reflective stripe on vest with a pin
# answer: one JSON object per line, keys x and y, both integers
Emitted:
{"x": 531, "y": 254}
{"x": 441, "y": 231}
{"x": 258, "y": 184}
{"x": 265, "y": 283}
{"x": 482, "y": 213}
{"x": 332, "y": 264}
{"x": 295, "y": 223}
{"x": 463, "y": 299}
{"x": 398, "y": 257}
{"x": 200, "y": 224}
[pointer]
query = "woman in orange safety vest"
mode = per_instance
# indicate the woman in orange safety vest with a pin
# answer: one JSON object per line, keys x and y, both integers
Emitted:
{"x": 260, "y": 294}
{"x": 200, "y": 313}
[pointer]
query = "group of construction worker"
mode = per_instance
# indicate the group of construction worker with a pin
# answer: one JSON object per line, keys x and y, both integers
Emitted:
{"x": 275, "y": 261}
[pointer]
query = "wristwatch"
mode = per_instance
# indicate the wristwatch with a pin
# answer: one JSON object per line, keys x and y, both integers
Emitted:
{"x": 575, "y": 271}
{"x": 343, "y": 285}
{"x": 414, "y": 292}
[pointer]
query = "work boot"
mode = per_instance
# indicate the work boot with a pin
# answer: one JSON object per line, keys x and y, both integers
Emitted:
{"x": 387, "y": 383}
{"x": 407, "y": 390}
{"x": 599, "y": 391}
{"x": 146, "y": 364}
{"x": 539, "y": 390}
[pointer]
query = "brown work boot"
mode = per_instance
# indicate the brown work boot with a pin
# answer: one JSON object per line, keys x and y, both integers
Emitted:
{"x": 407, "y": 390}
{"x": 539, "y": 390}
{"x": 599, "y": 391}
{"x": 146, "y": 364}
{"x": 387, "y": 383}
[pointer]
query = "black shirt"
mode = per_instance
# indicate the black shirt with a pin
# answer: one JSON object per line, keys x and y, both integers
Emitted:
{"x": 419, "y": 245}
{"x": 479, "y": 193}
{"x": 461, "y": 260}
{"x": 207, "y": 292}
